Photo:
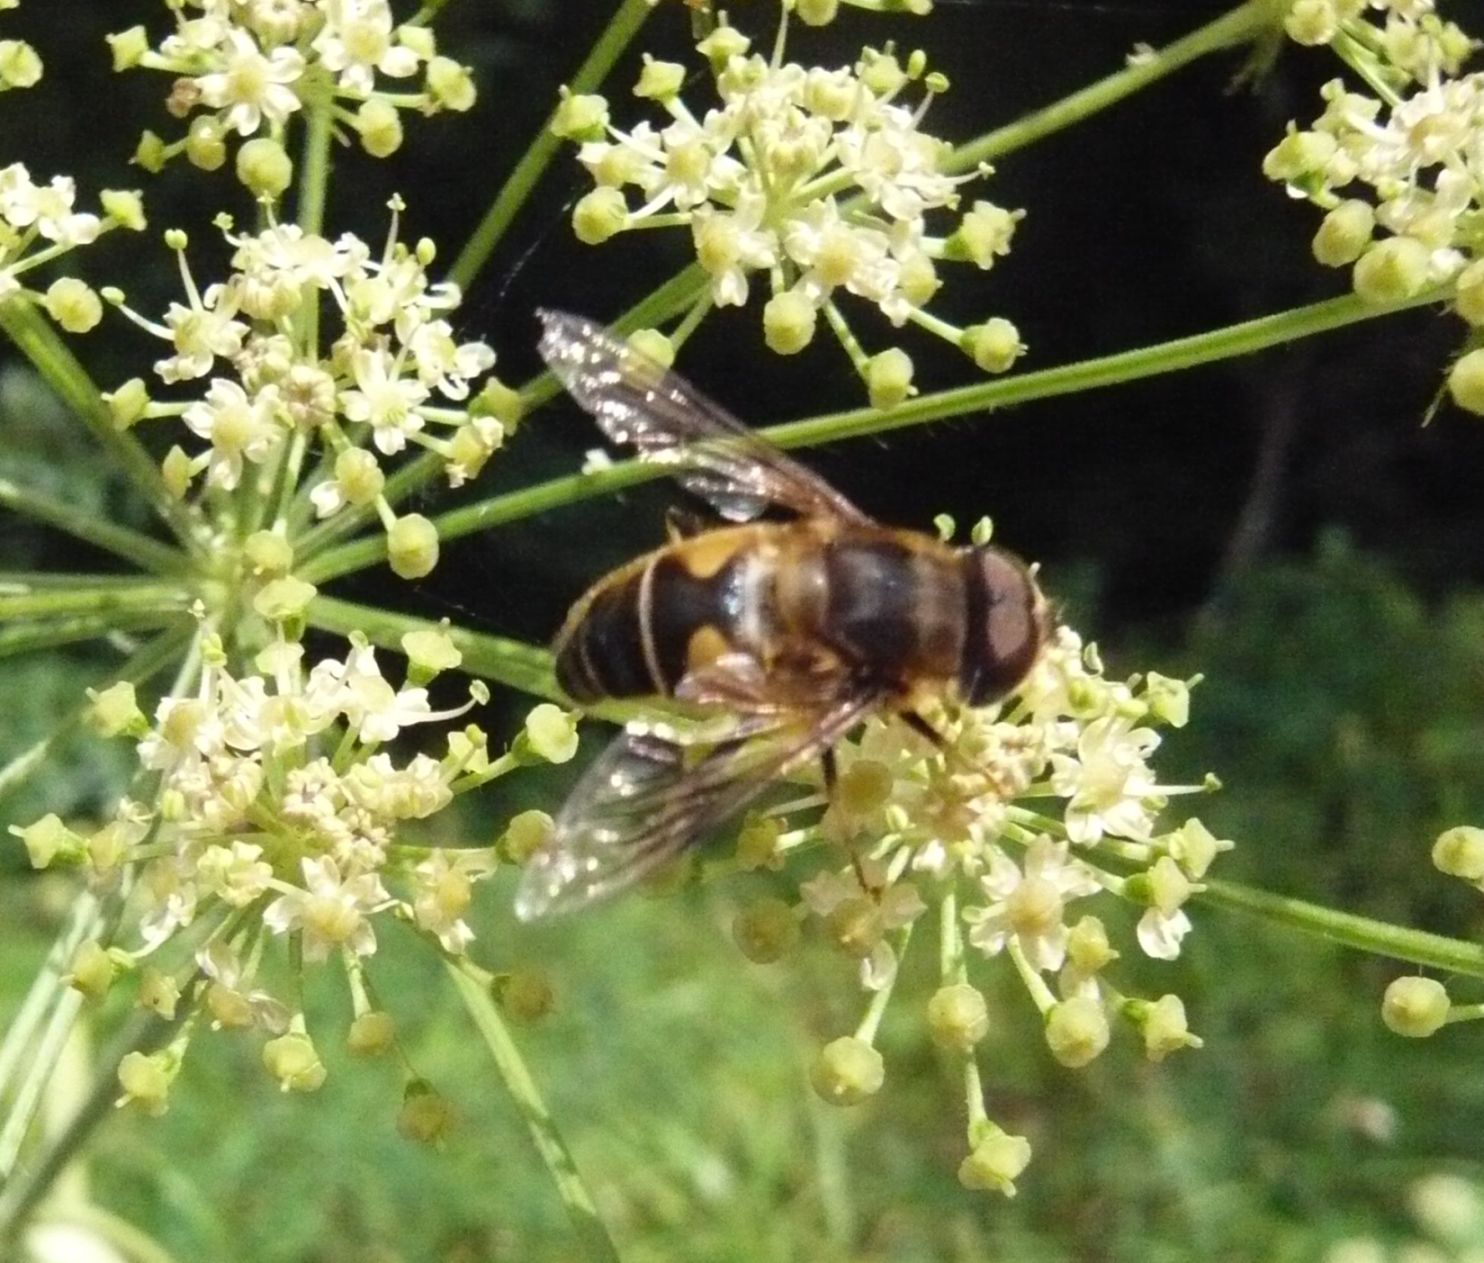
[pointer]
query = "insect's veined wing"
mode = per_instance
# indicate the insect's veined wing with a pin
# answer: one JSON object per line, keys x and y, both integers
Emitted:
{"x": 714, "y": 456}
{"x": 654, "y": 790}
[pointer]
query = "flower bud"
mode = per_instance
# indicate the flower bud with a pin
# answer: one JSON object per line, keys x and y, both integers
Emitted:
{"x": 1344, "y": 233}
{"x": 293, "y": 1061}
{"x": 855, "y": 925}
{"x": 757, "y": 843}
{"x": 229, "y": 1009}
{"x": 264, "y": 168}
{"x": 918, "y": 279}
{"x": 580, "y": 117}
{"x": 149, "y": 153}
{"x": 881, "y": 72}
{"x": 766, "y": 930}
{"x": 126, "y": 405}
{"x": 284, "y": 600}
{"x": 125, "y": 207}
{"x": 128, "y": 47}
{"x": 994, "y": 345}
{"x": 653, "y": 345}
{"x": 412, "y": 546}
{"x": 500, "y": 401}
{"x": 659, "y": 80}
{"x": 983, "y": 234}
{"x": 957, "y": 1017}
{"x": 1195, "y": 848}
{"x": 1459, "y": 852}
{"x": 176, "y": 471}
{"x": 379, "y": 126}
{"x": 1391, "y": 271}
{"x": 73, "y": 304}
{"x": 430, "y": 651}
{"x": 995, "y": 1163}
{"x": 789, "y": 320}
{"x": 1468, "y": 297}
{"x": 599, "y": 215}
{"x": 158, "y": 992}
{"x": 816, "y": 12}
{"x": 268, "y": 553}
{"x": 1162, "y": 1024}
{"x": 889, "y": 378}
{"x": 1088, "y": 948}
{"x": 20, "y": 66}
{"x": 426, "y": 1116}
{"x": 551, "y": 733}
{"x": 847, "y": 1071}
{"x": 526, "y": 834}
{"x": 358, "y": 476}
{"x": 371, "y": 1034}
{"x": 114, "y": 711}
{"x": 1415, "y": 1007}
{"x": 206, "y": 143}
{"x": 1312, "y": 22}
{"x": 1466, "y": 382}
{"x": 450, "y": 85}
{"x": 526, "y": 995}
{"x": 48, "y": 841}
{"x": 1299, "y": 154}
{"x": 92, "y": 971}
{"x": 1077, "y": 1031}
{"x": 724, "y": 43}
{"x": 146, "y": 1079}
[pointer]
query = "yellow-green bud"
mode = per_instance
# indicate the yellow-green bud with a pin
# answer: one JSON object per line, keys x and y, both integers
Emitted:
{"x": 358, "y": 475}
{"x": 526, "y": 834}
{"x": 881, "y": 72}
{"x": 146, "y": 1079}
{"x": 114, "y": 711}
{"x": 264, "y": 168}
{"x": 125, "y": 207}
{"x": 1162, "y": 1024}
{"x": 430, "y": 651}
{"x": 176, "y": 470}
{"x": 1168, "y": 699}
{"x": 889, "y": 378}
{"x": 149, "y": 153}
{"x": 599, "y": 215}
{"x": 504, "y": 403}
{"x": 653, "y": 345}
{"x": 1088, "y": 948}
{"x": 766, "y": 930}
{"x": 228, "y": 1008}
{"x": 1312, "y": 22}
{"x": 126, "y": 405}
{"x": 371, "y": 1034}
{"x": 918, "y": 280}
{"x": 1459, "y": 852}
{"x": 1468, "y": 297}
{"x": 1344, "y": 233}
{"x": 659, "y": 80}
{"x": 206, "y": 142}
{"x": 1194, "y": 847}
{"x": 412, "y": 546}
{"x": 294, "y": 1062}
{"x": 1392, "y": 270}
{"x": 128, "y": 47}
{"x": 268, "y": 553}
{"x": 1466, "y": 381}
{"x": 379, "y": 125}
{"x": 994, "y": 345}
{"x": 1077, "y": 1031}
{"x": 1299, "y": 154}
{"x": 957, "y": 1017}
{"x": 757, "y": 843}
{"x": 283, "y": 600}
{"x": 525, "y": 994}
{"x": 995, "y": 1163}
{"x": 847, "y": 1071}
{"x": 426, "y": 1117}
{"x": 92, "y": 970}
{"x": 420, "y": 39}
{"x": 580, "y": 117}
{"x": 450, "y": 85}
{"x": 1415, "y": 1007}
{"x": 789, "y": 320}
{"x": 108, "y": 848}
{"x": 816, "y": 12}
{"x": 73, "y": 304}
{"x": 158, "y": 992}
{"x": 551, "y": 733}
{"x": 48, "y": 841}
{"x": 724, "y": 43}
{"x": 20, "y": 67}
{"x": 984, "y": 234}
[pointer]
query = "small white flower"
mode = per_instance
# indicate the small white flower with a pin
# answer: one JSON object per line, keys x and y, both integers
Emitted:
{"x": 1109, "y": 784}
{"x": 238, "y": 427}
{"x": 384, "y": 399}
{"x": 356, "y": 41}
{"x": 1029, "y": 904}
{"x": 330, "y": 911}
{"x": 252, "y": 87}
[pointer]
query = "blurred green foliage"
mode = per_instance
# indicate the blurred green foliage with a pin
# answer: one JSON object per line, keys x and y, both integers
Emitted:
{"x": 1340, "y": 710}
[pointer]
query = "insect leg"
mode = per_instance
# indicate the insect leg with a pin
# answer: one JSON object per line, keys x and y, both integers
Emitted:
{"x": 922, "y": 728}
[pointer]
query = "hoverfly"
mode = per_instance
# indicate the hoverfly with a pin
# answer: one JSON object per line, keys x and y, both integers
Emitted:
{"x": 795, "y": 631}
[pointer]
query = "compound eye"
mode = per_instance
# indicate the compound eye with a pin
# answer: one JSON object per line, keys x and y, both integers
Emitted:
{"x": 1013, "y": 627}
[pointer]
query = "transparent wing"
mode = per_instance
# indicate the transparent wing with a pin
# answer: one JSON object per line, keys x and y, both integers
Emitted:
{"x": 636, "y": 401}
{"x": 655, "y": 790}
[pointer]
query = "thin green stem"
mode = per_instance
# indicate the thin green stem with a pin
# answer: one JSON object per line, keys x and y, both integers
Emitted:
{"x": 113, "y": 596}
{"x": 314, "y": 163}
{"x": 54, "y": 632}
{"x": 596, "y": 1245}
{"x": 40, "y": 343}
{"x": 610, "y": 45}
{"x": 979, "y": 399}
{"x": 1362, "y": 933}
{"x": 132, "y": 545}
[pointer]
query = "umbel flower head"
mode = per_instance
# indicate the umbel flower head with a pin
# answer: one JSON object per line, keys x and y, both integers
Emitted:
{"x": 249, "y": 67}
{"x": 1015, "y": 838}
{"x": 276, "y": 814}
{"x": 819, "y": 182}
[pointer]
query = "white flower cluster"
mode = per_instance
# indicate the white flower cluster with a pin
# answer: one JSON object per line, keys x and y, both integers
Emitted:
{"x": 1404, "y": 156}
{"x": 250, "y": 65}
{"x": 388, "y": 379}
{"x": 820, "y": 180}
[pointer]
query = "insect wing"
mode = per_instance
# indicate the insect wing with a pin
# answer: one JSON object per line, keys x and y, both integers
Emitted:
{"x": 636, "y": 401}
{"x": 654, "y": 790}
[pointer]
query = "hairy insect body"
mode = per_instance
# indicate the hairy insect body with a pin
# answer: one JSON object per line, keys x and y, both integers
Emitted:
{"x": 810, "y": 602}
